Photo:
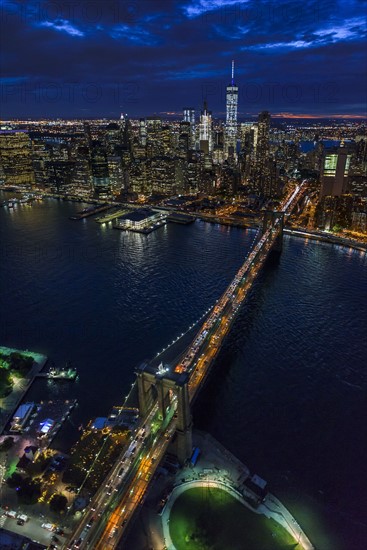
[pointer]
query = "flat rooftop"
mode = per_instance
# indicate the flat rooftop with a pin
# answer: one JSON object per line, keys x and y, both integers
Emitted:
{"x": 138, "y": 215}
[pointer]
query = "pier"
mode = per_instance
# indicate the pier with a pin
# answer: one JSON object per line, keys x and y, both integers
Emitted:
{"x": 142, "y": 230}
{"x": 112, "y": 216}
{"x": 144, "y": 220}
{"x": 59, "y": 374}
{"x": 86, "y": 212}
{"x": 9, "y": 404}
{"x": 178, "y": 217}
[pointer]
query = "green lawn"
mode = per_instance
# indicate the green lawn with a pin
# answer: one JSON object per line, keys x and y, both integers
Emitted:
{"x": 14, "y": 364}
{"x": 211, "y": 519}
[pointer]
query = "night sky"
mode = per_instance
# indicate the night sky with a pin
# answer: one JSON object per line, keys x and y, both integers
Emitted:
{"x": 94, "y": 58}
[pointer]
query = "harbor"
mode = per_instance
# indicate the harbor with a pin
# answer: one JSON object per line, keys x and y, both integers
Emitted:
{"x": 26, "y": 199}
{"x": 90, "y": 211}
{"x": 9, "y": 404}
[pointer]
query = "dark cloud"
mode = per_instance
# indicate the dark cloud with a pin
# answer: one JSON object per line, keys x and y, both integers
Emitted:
{"x": 98, "y": 57}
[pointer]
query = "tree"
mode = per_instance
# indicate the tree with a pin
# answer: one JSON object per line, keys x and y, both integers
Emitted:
{"x": 6, "y": 384}
{"x": 73, "y": 475}
{"x": 337, "y": 228}
{"x": 15, "y": 480}
{"x": 20, "y": 363}
{"x": 39, "y": 465}
{"x": 58, "y": 502}
{"x": 6, "y": 444}
{"x": 120, "y": 430}
{"x": 29, "y": 491}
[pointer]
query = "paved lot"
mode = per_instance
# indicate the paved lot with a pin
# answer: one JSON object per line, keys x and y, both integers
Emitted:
{"x": 32, "y": 528}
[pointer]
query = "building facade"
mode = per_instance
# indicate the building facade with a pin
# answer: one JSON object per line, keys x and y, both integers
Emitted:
{"x": 231, "y": 116}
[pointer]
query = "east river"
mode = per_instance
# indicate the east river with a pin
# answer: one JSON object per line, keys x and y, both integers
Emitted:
{"x": 288, "y": 393}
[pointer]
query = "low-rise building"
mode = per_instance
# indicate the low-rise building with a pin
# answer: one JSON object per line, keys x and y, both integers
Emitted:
{"x": 139, "y": 219}
{"x": 21, "y": 416}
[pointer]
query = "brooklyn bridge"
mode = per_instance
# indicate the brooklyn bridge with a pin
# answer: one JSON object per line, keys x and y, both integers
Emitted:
{"x": 166, "y": 393}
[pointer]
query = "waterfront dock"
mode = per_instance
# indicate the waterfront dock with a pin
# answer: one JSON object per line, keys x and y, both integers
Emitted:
{"x": 111, "y": 216}
{"x": 44, "y": 421}
{"x": 67, "y": 373}
{"x": 327, "y": 238}
{"x": 90, "y": 211}
{"x": 9, "y": 404}
{"x": 144, "y": 221}
{"x": 142, "y": 230}
{"x": 230, "y": 221}
{"x": 178, "y": 217}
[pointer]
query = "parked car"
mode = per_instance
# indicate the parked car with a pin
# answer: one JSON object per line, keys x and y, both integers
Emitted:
{"x": 48, "y": 526}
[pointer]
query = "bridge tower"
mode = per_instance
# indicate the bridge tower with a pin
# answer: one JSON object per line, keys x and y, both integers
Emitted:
{"x": 184, "y": 424}
{"x": 270, "y": 219}
{"x": 164, "y": 386}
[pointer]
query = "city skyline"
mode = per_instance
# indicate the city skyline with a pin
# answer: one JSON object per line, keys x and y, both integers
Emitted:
{"x": 183, "y": 211}
{"x": 142, "y": 58}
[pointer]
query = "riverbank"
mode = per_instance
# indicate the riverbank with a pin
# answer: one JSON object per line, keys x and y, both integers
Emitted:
{"x": 248, "y": 222}
{"x": 326, "y": 237}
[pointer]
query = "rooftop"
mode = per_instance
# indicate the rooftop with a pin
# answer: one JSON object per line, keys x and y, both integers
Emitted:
{"x": 138, "y": 215}
{"x": 22, "y": 410}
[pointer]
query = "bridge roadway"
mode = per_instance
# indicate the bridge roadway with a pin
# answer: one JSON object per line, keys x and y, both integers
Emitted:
{"x": 117, "y": 499}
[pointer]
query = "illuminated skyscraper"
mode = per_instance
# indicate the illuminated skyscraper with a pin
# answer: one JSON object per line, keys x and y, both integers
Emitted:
{"x": 154, "y": 136}
{"x": 334, "y": 171}
{"x": 142, "y": 132}
{"x": 231, "y": 114}
{"x": 100, "y": 173}
{"x": 41, "y": 156}
{"x": 262, "y": 173}
{"x": 113, "y": 137}
{"x": 205, "y": 130}
{"x": 15, "y": 158}
{"x": 184, "y": 138}
{"x": 189, "y": 116}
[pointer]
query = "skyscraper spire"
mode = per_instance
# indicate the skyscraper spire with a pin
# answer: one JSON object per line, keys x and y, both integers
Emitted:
{"x": 231, "y": 114}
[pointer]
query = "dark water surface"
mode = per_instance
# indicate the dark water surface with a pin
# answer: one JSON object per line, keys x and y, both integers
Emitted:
{"x": 288, "y": 395}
